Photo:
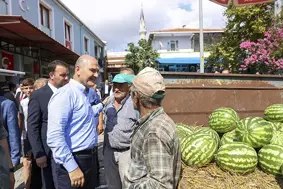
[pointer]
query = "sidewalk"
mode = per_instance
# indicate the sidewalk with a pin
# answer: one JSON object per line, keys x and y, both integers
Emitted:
{"x": 20, "y": 177}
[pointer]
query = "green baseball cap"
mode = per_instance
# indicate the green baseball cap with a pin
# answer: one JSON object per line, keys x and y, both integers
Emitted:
{"x": 123, "y": 78}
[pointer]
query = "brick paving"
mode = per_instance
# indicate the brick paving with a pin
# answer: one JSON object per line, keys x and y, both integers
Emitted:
{"x": 20, "y": 178}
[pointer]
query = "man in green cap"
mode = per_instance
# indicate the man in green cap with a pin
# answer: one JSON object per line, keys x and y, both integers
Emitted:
{"x": 119, "y": 119}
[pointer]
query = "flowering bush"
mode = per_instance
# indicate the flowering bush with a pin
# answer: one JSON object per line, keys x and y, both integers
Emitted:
{"x": 265, "y": 55}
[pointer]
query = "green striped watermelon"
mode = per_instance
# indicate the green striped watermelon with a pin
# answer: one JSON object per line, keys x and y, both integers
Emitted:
{"x": 223, "y": 120}
{"x": 277, "y": 126}
{"x": 274, "y": 113}
{"x": 183, "y": 130}
{"x": 254, "y": 131}
{"x": 209, "y": 131}
{"x": 198, "y": 149}
{"x": 270, "y": 159}
{"x": 229, "y": 137}
{"x": 277, "y": 138}
{"x": 237, "y": 157}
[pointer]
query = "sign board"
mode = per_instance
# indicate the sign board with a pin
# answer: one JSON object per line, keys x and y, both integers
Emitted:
{"x": 250, "y": 2}
{"x": 224, "y": 3}
{"x": 237, "y": 3}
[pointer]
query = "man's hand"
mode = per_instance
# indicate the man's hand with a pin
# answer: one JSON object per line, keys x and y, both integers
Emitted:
{"x": 12, "y": 181}
{"x": 77, "y": 178}
{"x": 99, "y": 129}
{"x": 41, "y": 162}
{"x": 105, "y": 100}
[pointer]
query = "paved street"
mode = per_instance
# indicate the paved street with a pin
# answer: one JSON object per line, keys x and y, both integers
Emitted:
{"x": 20, "y": 178}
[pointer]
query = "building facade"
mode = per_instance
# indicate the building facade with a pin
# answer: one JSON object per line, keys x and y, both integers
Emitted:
{"x": 35, "y": 32}
{"x": 180, "y": 49}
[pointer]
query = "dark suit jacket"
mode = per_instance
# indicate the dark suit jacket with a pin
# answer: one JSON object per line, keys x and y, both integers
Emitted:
{"x": 37, "y": 121}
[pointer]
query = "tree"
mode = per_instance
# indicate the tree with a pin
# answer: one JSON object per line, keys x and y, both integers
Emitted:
{"x": 243, "y": 23}
{"x": 265, "y": 55}
{"x": 141, "y": 56}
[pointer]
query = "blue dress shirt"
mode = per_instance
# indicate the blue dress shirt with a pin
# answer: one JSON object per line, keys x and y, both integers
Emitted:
{"x": 71, "y": 124}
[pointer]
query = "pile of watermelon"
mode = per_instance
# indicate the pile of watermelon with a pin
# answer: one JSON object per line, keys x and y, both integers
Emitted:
{"x": 236, "y": 145}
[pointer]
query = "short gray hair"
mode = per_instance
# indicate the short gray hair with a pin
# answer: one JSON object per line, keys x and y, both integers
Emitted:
{"x": 41, "y": 82}
{"x": 147, "y": 101}
{"x": 83, "y": 61}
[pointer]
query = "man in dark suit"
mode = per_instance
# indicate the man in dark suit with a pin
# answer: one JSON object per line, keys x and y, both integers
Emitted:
{"x": 37, "y": 119}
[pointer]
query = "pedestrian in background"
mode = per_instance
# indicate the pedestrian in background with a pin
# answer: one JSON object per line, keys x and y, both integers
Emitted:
{"x": 32, "y": 173}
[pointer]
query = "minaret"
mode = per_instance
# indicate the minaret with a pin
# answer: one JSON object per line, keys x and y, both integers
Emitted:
{"x": 142, "y": 31}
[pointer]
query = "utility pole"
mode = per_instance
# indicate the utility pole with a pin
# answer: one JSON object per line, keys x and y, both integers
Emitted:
{"x": 201, "y": 37}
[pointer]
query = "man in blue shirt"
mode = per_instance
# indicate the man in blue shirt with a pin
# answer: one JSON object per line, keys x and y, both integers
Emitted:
{"x": 71, "y": 133}
{"x": 120, "y": 117}
{"x": 10, "y": 122}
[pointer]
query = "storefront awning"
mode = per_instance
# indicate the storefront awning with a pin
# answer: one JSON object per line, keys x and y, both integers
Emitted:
{"x": 21, "y": 33}
{"x": 10, "y": 72}
{"x": 183, "y": 60}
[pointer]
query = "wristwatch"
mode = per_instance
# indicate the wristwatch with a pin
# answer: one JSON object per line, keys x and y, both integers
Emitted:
{"x": 12, "y": 170}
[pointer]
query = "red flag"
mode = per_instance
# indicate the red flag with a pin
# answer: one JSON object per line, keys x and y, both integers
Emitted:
{"x": 250, "y": 2}
{"x": 7, "y": 61}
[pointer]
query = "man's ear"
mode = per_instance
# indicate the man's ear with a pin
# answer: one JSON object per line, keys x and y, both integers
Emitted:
{"x": 77, "y": 70}
{"x": 51, "y": 75}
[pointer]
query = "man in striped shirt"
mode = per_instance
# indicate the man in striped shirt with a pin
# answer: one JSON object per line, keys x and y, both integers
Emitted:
{"x": 155, "y": 152}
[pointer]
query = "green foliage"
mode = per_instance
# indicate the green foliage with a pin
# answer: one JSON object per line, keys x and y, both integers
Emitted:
{"x": 141, "y": 56}
{"x": 243, "y": 23}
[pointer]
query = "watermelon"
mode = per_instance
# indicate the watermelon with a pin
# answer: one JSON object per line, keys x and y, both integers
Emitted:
{"x": 236, "y": 157}
{"x": 229, "y": 137}
{"x": 276, "y": 126}
{"x": 183, "y": 130}
{"x": 274, "y": 113}
{"x": 198, "y": 149}
{"x": 277, "y": 138}
{"x": 223, "y": 120}
{"x": 209, "y": 131}
{"x": 270, "y": 159}
{"x": 254, "y": 131}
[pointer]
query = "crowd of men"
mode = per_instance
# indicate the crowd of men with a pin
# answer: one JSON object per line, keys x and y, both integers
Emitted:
{"x": 58, "y": 121}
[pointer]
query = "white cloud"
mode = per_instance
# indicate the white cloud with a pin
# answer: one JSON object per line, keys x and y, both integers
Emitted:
{"x": 117, "y": 22}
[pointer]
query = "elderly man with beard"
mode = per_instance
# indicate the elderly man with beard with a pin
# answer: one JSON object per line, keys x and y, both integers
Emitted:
{"x": 155, "y": 152}
{"x": 120, "y": 118}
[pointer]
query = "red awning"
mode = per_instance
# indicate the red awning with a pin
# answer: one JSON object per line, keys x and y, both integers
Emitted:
{"x": 21, "y": 33}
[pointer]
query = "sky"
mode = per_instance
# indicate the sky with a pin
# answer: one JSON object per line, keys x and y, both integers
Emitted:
{"x": 117, "y": 21}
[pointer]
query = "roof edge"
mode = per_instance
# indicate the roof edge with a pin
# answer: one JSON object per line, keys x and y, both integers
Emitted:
{"x": 62, "y": 5}
{"x": 187, "y": 30}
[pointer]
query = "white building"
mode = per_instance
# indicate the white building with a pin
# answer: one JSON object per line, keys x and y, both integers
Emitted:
{"x": 179, "y": 47}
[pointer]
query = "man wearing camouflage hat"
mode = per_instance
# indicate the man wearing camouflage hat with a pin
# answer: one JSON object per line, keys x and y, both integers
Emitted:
{"x": 119, "y": 119}
{"x": 155, "y": 153}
